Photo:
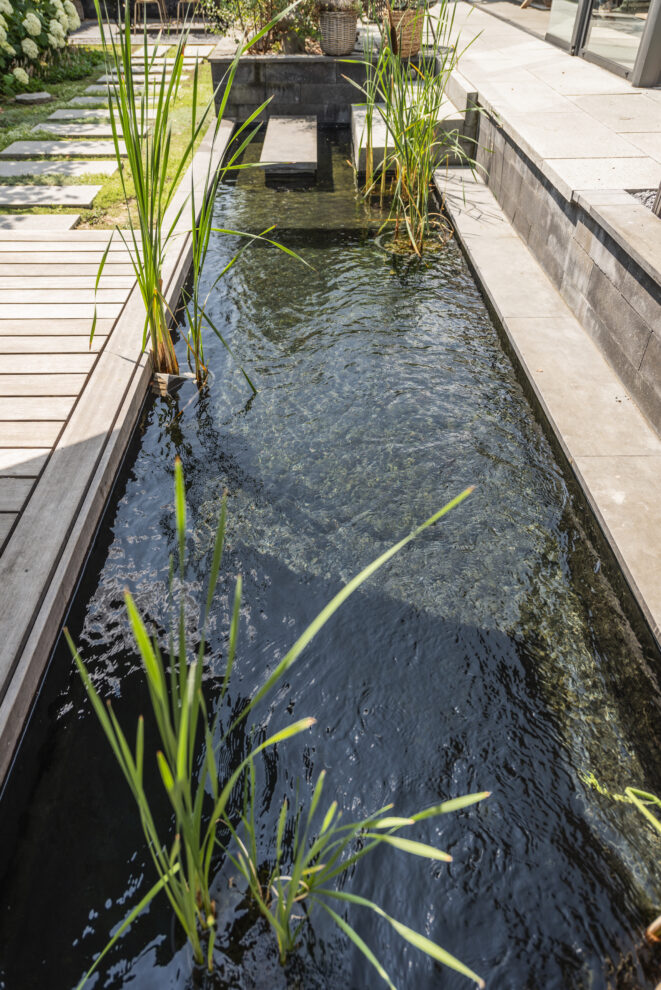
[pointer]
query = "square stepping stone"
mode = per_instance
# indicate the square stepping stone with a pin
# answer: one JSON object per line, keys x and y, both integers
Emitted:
{"x": 48, "y": 195}
{"x": 104, "y": 90}
{"x": 70, "y": 169}
{"x": 42, "y": 221}
{"x": 75, "y": 130}
{"x": 89, "y": 101}
{"x": 290, "y": 146}
{"x": 87, "y": 114}
{"x": 31, "y": 98}
{"x": 68, "y": 149}
{"x": 138, "y": 78}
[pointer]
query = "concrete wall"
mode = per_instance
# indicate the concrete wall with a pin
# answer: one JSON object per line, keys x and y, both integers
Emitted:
{"x": 299, "y": 84}
{"x": 615, "y": 299}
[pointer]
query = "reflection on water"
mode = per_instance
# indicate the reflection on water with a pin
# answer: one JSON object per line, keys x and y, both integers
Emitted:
{"x": 493, "y": 653}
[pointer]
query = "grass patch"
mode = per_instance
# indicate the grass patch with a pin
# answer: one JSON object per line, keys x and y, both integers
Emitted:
{"x": 17, "y": 121}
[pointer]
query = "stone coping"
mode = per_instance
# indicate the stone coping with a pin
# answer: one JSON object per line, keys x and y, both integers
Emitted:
{"x": 612, "y": 450}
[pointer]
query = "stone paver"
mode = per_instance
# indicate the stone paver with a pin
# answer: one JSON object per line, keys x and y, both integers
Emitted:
{"x": 82, "y": 196}
{"x": 89, "y": 101}
{"x": 87, "y": 114}
{"x": 70, "y": 169}
{"x": 290, "y": 145}
{"x": 604, "y": 173}
{"x": 57, "y": 149}
{"x": 33, "y": 98}
{"x": 41, "y": 221}
{"x": 73, "y": 130}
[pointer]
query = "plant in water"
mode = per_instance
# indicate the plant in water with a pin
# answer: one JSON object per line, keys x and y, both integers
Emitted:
{"x": 307, "y": 875}
{"x": 410, "y": 100}
{"x": 194, "y": 750}
{"x": 141, "y": 123}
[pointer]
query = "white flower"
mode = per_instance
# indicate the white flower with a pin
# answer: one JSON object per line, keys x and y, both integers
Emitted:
{"x": 55, "y": 29}
{"x": 69, "y": 8}
{"x": 32, "y": 24}
{"x": 3, "y": 36}
{"x": 7, "y": 48}
{"x": 52, "y": 41}
{"x": 29, "y": 48}
{"x": 74, "y": 21}
{"x": 63, "y": 19}
{"x": 21, "y": 75}
{"x": 6, "y": 7}
{"x": 3, "y": 22}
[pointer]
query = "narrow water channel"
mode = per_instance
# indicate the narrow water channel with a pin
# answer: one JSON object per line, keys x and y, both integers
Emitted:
{"x": 495, "y": 653}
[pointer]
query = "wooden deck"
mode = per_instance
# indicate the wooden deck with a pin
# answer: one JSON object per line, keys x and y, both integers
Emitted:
{"x": 67, "y": 410}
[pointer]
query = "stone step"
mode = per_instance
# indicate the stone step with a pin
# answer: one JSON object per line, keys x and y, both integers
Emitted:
{"x": 449, "y": 120}
{"x": 290, "y": 146}
{"x": 90, "y": 101}
{"x": 139, "y": 79}
{"x": 86, "y": 114}
{"x": 82, "y": 196}
{"x": 69, "y": 169}
{"x": 73, "y": 130}
{"x": 68, "y": 149}
{"x": 41, "y": 221}
{"x": 104, "y": 90}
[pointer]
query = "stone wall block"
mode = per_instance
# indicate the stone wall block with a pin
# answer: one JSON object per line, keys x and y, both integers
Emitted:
{"x": 618, "y": 317}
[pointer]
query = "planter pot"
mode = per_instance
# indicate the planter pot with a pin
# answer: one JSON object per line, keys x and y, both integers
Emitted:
{"x": 163, "y": 384}
{"x": 406, "y": 30}
{"x": 338, "y": 31}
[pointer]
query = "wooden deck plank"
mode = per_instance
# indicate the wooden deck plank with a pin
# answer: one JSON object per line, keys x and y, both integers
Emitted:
{"x": 20, "y": 409}
{"x": 40, "y": 385}
{"x": 61, "y": 296}
{"x": 16, "y": 462}
{"x": 53, "y": 327}
{"x": 47, "y": 364}
{"x": 7, "y": 520}
{"x": 14, "y": 492}
{"x": 29, "y": 434}
{"x": 31, "y": 344}
{"x": 41, "y": 281}
{"x": 61, "y": 311}
{"x": 54, "y": 268}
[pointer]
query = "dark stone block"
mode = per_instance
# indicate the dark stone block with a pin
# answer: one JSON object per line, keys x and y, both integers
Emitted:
{"x": 622, "y": 323}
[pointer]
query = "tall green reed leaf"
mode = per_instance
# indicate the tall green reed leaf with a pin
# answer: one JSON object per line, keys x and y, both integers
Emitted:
{"x": 194, "y": 751}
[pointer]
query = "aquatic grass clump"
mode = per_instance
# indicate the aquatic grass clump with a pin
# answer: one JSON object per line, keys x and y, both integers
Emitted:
{"x": 409, "y": 97}
{"x": 308, "y": 874}
{"x": 156, "y": 173}
{"x": 201, "y": 773}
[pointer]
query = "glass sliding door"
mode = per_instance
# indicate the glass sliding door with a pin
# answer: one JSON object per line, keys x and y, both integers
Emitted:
{"x": 562, "y": 23}
{"x": 615, "y": 30}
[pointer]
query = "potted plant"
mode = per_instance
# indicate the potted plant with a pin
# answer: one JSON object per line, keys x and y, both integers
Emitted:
{"x": 338, "y": 20}
{"x": 406, "y": 19}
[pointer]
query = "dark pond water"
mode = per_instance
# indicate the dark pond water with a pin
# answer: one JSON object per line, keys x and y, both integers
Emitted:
{"x": 494, "y": 653}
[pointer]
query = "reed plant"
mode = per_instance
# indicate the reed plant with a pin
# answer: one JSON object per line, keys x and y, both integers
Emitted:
{"x": 308, "y": 874}
{"x": 155, "y": 174}
{"x": 409, "y": 98}
{"x": 195, "y": 750}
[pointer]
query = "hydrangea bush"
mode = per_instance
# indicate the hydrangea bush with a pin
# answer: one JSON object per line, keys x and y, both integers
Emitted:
{"x": 31, "y": 32}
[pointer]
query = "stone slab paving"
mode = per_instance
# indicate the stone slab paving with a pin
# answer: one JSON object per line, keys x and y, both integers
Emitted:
{"x": 81, "y": 196}
{"x": 72, "y": 130}
{"x": 87, "y": 114}
{"x": 90, "y": 101}
{"x": 43, "y": 221}
{"x": 62, "y": 149}
{"x": 613, "y": 451}
{"x": 69, "y": 169}
{"x": 290, "y": 145}
{"x": 557, "y": 107}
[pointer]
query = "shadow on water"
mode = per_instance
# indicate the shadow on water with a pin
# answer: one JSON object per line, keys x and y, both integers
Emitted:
{"x": 494, "y": 653}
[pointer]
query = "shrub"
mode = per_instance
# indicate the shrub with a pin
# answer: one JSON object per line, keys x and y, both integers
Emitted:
{"x": 31, "y": 34}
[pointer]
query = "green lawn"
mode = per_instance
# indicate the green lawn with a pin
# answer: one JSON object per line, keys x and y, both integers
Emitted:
{"x": 16, "y": 123}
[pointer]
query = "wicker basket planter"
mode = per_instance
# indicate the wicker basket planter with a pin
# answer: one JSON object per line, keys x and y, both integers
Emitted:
{"x": 406, "y": 30}
{"x": 338, "y": 31}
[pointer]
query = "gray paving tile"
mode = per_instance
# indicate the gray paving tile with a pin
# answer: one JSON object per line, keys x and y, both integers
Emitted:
{"x": 42, "y": 221}
{"x": 69, "y": 169}
{"x": 89, "y": 101}
{"x": 623, "y": 112}
{"x": 648, "y": 143}
{"x": 605, "y": 173}
{"x": 87, "y": 114}
{"x": 290, "y": 145}
{"x": 74, "y": 130}
{"x": 55, "y": 149}
{"x": 569, "y": 135}
{"x": 82, "y": 196}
